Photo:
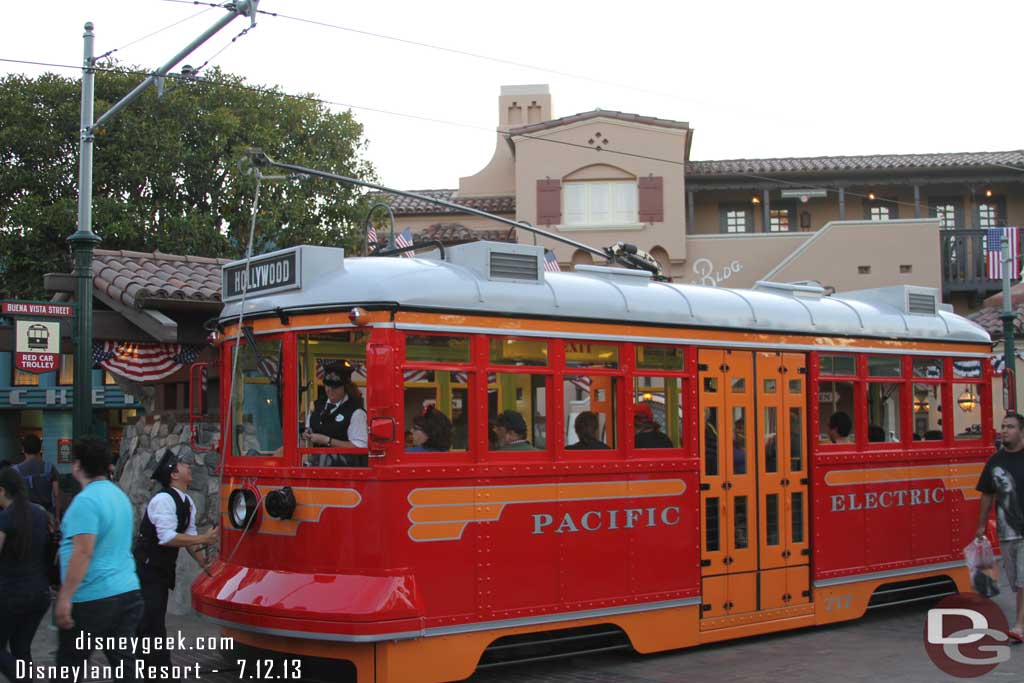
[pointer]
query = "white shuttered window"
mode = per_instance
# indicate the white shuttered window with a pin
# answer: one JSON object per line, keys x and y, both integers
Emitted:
{"x": 599, "y": 202}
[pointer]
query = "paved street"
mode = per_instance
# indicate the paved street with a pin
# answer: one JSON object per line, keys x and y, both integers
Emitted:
{"x": 886, "y": 645}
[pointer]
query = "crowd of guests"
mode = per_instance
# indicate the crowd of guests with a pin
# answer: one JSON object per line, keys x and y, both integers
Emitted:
{"x": 102, "y": 579}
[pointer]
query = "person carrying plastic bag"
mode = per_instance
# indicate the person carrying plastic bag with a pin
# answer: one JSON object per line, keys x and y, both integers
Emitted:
{"x": 1001, "y": 485}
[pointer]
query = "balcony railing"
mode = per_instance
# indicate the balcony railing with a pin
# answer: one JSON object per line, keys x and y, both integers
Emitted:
{"x": 965, "y": 263}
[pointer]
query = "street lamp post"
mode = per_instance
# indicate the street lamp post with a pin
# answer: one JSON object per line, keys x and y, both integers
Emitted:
{"x": 1008, "y": 317}
{"x": 84, "y": 240}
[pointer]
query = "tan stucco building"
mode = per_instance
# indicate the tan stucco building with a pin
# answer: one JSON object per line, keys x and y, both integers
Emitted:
{"x": 601, "y": 177}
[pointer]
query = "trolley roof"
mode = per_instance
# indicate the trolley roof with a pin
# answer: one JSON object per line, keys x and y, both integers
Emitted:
{"x": 499, "y": 278}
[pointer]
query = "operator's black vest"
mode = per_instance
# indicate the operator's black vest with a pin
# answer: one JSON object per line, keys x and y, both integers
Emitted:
{"x": 327, "y": 422}
{"x": 153, "y": 561}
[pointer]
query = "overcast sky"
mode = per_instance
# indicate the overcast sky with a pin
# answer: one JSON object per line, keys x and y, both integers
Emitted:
{"x": 753, "y": 79}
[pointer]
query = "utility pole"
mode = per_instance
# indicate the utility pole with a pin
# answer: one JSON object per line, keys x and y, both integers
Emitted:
{"x": 1009, "y": 317}
{"x": 84, "y": 240}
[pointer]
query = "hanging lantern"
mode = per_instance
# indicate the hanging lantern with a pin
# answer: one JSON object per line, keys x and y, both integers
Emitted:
{"x": 968, "y": 401}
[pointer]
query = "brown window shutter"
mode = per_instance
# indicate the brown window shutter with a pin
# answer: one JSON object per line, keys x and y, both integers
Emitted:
{"x": 650, "y": 199}
{"x": 549, "y": 202}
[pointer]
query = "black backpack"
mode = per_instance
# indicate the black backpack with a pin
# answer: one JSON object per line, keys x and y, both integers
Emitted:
{"x": 40, "y": 490}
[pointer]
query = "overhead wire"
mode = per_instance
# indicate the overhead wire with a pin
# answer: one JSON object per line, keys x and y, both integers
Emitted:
{"x": 221, "y": 51}
{"x": 108, "y": 53}
{"x": 469, "y": 126}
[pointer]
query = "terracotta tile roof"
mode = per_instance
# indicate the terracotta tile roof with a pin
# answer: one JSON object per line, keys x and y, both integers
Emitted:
{"x": 584, "y": 116}
{"x": 869, "y": 162}
{"x": 456, "y": 233}
{"x": 988, "y": 318}
{"x": 132, "y": 277}
{"x": 409, "y": 206}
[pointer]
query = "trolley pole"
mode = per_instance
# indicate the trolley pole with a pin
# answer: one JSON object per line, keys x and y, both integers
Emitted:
{"x": 1008, "y": 316}
{"x": 84, "y": 240}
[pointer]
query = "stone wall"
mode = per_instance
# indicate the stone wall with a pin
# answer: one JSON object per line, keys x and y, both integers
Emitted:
{"x": 142, "y": 445}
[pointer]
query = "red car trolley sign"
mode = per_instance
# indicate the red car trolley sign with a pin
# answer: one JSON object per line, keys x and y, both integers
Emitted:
{"x": 38, "y": 345}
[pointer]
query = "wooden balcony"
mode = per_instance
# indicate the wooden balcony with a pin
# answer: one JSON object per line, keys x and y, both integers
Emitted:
{"x": 964, "y": 264}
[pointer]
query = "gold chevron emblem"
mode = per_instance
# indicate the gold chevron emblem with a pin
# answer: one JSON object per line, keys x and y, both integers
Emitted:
{"x": 310, "y": 503}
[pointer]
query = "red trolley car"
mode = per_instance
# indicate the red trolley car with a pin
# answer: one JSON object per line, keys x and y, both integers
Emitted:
{"x": 416, "y": 565}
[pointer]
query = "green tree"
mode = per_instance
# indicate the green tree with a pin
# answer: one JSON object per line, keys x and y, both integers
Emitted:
{"x": 166, "y": 171}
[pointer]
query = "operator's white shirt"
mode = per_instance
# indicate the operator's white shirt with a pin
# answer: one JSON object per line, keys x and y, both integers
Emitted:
{"x": 164, "y": 516}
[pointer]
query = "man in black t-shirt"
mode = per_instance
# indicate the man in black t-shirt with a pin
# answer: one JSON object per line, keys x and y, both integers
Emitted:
{"x": 1002, "y": 483}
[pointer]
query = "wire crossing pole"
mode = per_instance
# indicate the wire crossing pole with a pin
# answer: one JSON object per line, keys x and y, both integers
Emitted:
{"x": 84, "y": 240}
{"x": 1009, "y": 317}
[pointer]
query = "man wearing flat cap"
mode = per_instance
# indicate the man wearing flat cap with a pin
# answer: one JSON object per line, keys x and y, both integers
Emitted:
{"x": 168, "y": 524}
{"x": 510, "y": 428}
{"x": 339, "y": 420}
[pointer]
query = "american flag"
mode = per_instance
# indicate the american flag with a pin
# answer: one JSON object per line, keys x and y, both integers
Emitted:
{"x": 371, "y": 238}
{"x": 993, "y": 252}
{"x": 143, "y": 361}
{"x": 551, "y": 262}
{"x": 404, "y": 239}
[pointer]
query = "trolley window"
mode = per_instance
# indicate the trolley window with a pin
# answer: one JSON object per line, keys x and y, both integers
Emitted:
{"x": 837, "y": 406}
{"x": 967, "y": 395}
{"x": 517, "y": 412}
{"x": 331, "y": 430}
{"x": 885, "y": 399}
{"x": 437, "y": 410}
{"x": 589, "y": 409}
{"x": 657, "y": 412}
{"x": 256, "y": 397}
{"x": 436, "y": 381}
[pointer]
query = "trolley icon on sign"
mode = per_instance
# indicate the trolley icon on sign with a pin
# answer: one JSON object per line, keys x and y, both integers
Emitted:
{"x": 38, "y": 337}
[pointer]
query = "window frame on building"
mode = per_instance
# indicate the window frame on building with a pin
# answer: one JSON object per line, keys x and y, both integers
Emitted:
{"x": 956, "y": 203}
{"x": 889, "y": 204}
{"x": 784, "y": 207}
{"x": 724, "y": 223}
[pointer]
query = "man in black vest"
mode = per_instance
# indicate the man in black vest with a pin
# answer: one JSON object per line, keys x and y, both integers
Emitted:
{"x": 168, "y": 524}
{"x": 339, "y": 421}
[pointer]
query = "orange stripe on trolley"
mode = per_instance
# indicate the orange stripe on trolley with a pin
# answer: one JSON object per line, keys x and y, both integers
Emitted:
{"x": 542, "y": 493}
{"x": 884, "y": 475}
{"x": 442, "y": 514}
{"x": 448, "y": 513}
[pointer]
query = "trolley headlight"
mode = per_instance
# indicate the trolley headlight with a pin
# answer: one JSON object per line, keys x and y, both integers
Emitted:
{"x": 281, "y": 503}
{"x": 242, "y": 506}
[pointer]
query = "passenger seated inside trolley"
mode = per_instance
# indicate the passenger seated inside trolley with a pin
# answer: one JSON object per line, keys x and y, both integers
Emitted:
{"x": 585, "y": 426}
{"x": 431, "y": 432}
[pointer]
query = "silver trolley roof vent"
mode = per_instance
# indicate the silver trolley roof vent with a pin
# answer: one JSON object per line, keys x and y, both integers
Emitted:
{"x": 507, "y": 266}
{"x": 922, "y": 303}
{"x": 499, "y": 261}
{"x": 907, "y": 299}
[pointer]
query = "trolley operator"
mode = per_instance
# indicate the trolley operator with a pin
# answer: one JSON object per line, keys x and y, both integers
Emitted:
{"x": 169, "y": 523}
{"x": 338, "y": 421}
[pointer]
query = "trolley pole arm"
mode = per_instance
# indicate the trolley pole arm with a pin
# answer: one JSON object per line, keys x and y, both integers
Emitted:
{"x": 261, "y": 159}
